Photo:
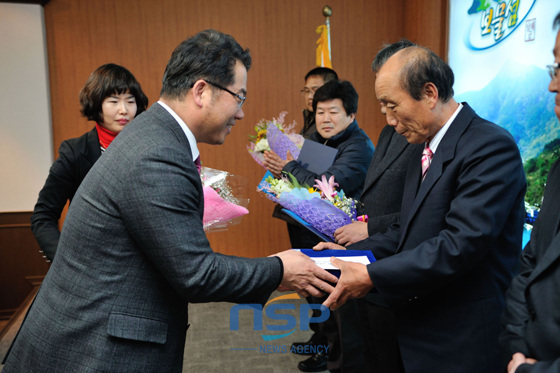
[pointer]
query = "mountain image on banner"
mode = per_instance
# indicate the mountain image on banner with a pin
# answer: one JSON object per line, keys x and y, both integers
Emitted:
{"x": 518, "y": 100}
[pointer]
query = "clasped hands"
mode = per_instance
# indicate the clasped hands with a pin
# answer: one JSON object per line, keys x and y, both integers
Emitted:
{"x": 302, "y": 275}
{"x": 354, "y": 281}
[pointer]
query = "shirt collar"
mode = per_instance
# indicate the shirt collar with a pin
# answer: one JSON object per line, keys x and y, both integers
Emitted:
{"x": 439, "y": 136}
{"x": 192, "y": 140}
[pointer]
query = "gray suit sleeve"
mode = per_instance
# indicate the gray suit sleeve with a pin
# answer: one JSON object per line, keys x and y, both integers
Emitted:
{"x": 160, "y": 209}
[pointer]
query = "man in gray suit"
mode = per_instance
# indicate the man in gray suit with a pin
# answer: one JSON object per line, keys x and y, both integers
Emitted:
{"x": 133, "y": 253}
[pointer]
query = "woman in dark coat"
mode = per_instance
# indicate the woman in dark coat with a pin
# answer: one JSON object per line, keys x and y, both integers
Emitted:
{"x": 111, "y": 97}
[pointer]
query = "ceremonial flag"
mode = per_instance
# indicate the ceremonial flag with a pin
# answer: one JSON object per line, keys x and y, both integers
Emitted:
{"x": 323, "y": 46}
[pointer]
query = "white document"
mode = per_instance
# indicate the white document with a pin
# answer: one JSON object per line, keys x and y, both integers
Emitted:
{"x": 325, "y": 261}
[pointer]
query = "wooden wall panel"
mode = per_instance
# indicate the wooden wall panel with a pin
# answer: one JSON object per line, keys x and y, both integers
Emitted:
{"x": 426, "y": 24}
{"x": 21, "y": 266}
{"x": 141, "y": 34}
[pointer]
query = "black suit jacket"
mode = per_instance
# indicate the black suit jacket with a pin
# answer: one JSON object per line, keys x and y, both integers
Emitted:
{"x": 75, "y": 158}
{"x": 384, "y": 185}
{"x": 531, "y": 321}
{"x": 445, "y": 266}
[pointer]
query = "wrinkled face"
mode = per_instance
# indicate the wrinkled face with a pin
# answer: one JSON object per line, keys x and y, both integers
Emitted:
{"x": 224, "y": 109}
{"x": 554, "y": 85}
{"x": 117, "y": 111}
{"x": 312, "y": 84}
{"x": 331, "y": 118}
{"x": 410, "y": 118}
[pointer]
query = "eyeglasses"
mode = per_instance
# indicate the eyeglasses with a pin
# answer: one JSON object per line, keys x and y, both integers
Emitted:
{"x": 307, "y": 91}
{"x": 553, "y": 70}
{"x": 239, "y": 97}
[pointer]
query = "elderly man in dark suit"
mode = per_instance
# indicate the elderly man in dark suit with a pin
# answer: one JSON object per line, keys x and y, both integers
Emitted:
{"x": 531, "y": 323}
{"x": 133, "y": 253}
{"x": 445, "y": 266}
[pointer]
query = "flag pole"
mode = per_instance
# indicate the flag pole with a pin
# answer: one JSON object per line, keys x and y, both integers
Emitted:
{"x": 327, "y": 12}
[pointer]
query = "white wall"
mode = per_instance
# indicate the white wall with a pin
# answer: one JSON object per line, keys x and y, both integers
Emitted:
{"x": 25, "y": 118}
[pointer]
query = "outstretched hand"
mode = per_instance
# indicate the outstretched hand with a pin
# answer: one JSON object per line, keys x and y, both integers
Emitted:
{"x": 303, "y": 276}
{"x": 354, "y": 282}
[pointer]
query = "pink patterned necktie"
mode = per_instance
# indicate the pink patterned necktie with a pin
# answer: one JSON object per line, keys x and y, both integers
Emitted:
{"x": 427, "y": 156}
{"x": 197, "y": 163}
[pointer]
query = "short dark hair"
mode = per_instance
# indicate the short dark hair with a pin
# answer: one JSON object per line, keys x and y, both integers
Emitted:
{"x": 210, "y": 55}
{"x": 324, "y": 72}
{"x": 344, "y": 90}
{"x": 105, "y": 81}
{"x": 422, "y": 66}
{"x": 556, "y": 22}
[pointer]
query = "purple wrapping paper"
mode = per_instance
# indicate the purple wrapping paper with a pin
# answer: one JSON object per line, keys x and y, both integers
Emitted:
{"x": 281, "y": 143}
{"x": 322, "y": 215}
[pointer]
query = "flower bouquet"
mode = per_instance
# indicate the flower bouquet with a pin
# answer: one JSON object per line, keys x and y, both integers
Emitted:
{"x": 274, "y": 135}
{"x": 221, "y": 207}
{"x": 323, "y": 207}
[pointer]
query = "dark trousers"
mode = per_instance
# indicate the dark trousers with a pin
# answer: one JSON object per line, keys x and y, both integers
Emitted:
{"x": 342, "y": 332}
{"x": 380, "y": 338}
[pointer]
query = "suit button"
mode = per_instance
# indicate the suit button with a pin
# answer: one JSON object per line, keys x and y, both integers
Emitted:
{"x": 533, "y": 314}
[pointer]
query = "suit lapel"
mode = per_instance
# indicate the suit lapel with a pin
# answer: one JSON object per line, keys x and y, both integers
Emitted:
{"x": 92, "y": 151}
{"x": 409, "y": 203}
{"x": 552, "y": 254}
{"x": 416, "y": 190}
{"x": 170, "y": 124}
{"x": 389, "y": 151}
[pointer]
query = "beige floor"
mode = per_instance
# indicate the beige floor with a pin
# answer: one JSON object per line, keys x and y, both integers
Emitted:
{"x": 212, "y": 347}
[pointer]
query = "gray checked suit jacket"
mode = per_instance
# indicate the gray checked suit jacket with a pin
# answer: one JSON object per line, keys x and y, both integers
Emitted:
{"x": 132, "y": 255}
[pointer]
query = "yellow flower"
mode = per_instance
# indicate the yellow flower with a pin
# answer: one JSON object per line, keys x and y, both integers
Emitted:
{"x": 311, "y": 190}
{"x": 261, "y": 134}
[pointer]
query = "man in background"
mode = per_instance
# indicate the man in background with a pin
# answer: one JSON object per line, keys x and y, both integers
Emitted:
{"x": 302, "y": 238}
{"x": 531, "y": 323}
{"x": 314, "y": 80}
{"x": 381, "y": 206}
{"x": 133, "y": 253}
{"x": 299, "y": 236}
